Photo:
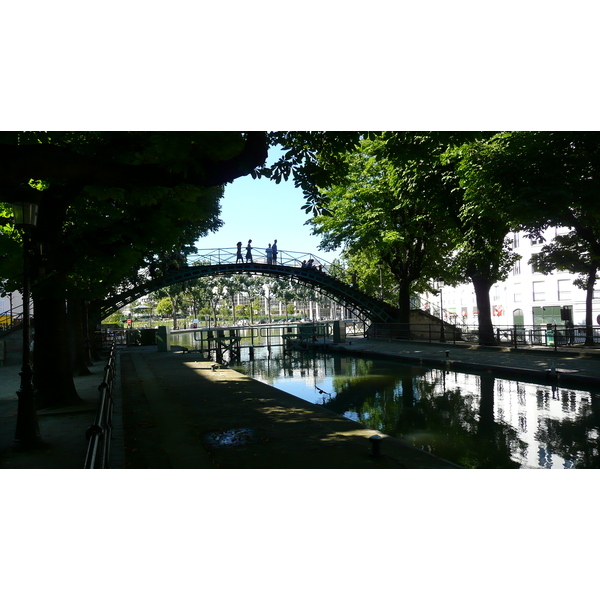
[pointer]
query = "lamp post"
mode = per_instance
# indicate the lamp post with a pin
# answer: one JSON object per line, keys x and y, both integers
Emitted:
{"x": 27, "y": 430}
{"x": 440, "y": 283}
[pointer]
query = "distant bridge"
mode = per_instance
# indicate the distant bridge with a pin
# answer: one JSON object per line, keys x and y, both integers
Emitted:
{"x": 223, "y": 261}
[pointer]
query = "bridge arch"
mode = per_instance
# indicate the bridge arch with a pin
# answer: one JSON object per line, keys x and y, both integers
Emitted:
{"x": 289, "y": 266}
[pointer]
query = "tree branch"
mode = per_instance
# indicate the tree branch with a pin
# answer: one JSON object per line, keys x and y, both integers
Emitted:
{"x": 19, "y": 164}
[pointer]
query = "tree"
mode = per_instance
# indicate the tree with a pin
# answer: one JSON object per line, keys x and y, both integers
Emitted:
{"x": 198, "y": 293}
{"x": 267, "y": 291}
{"x": 216, "y": 292}
{"x": 569, "y": 252}
{"x": 481, "y": 217}
{"x": 110, "y": 203}
{"x": 473, "y": 234}
{"x": 389, "y": 209}
{"x": 254, "y": 289}
{"x": 314, "y": 159}
{"x": 164, "y": 307}
{"x": 176, "y": 295}
{"x": 235, "y": 284}
{"x": 370, "y": 274}
{"x": 552, "y": 179}
{"x": 284, "y": 291}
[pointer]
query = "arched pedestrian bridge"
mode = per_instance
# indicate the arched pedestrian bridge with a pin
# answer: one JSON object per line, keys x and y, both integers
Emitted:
{"x": 222, "y": 261}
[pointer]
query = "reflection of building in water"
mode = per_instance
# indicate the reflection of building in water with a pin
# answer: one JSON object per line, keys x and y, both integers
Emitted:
{"x": 527, "y": 408}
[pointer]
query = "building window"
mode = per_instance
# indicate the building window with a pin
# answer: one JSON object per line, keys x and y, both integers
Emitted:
{"x": 564, "y": 289}
{"x": 539, "y": 293}
{"x": 517, "y": 268}
{"x": 515, "y": 240}
{"x": 533, "y": 266}
{"x": 536, "y": 241}
{"x": 517, "y": 292}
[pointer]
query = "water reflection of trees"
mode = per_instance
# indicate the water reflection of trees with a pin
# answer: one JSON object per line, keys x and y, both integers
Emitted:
{"x": 415, "y": 406}
{"x": 575, "y": 438}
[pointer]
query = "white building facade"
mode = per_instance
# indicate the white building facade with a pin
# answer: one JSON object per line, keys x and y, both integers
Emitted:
{"x": 525, "y": 297}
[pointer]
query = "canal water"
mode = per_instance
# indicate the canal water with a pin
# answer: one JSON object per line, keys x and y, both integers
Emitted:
{"x": 473, "y": 420}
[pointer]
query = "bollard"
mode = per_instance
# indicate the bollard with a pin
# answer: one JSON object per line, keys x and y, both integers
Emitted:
{"x": 376, "y": 444}
{"x": 447, "y": 353}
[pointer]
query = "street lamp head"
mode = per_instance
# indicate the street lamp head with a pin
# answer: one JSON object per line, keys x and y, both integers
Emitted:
{"x": 25, "y": 214}
{"x": 440, "y": 281}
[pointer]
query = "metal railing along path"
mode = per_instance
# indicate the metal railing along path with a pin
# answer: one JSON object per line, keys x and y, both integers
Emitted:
{"x": 99, "y": 433}
{"x": 551, "y": 336}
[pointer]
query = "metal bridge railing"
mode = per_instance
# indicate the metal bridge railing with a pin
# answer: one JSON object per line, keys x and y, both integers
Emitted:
{"x": 99, "y": 433}
{"x": 221, "y": 256}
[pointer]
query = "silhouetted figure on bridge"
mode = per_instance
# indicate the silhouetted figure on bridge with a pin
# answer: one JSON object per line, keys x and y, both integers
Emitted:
{"x": 239, "y": 257}
{"x": 274, "y": 252}
{"x": 269, "y": 253}
{"x": 249, "y": 251}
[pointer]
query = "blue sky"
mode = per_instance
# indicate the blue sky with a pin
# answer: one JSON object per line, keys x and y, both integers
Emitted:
{"x": 263, "y": 211}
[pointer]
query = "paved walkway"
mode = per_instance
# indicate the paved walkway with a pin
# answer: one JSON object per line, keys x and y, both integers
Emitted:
{"x": 63, "y": 430}
{"x": 174, "y": 411}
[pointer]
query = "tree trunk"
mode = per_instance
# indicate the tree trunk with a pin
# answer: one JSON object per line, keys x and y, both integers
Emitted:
{"x": 52, "y": 361}
{"x": 93, "y": 325}
{"x": 404, "y": 308}
{"x": 589, "y": 317}
{"x": 77, "y": 333}
{"x": 482, "y": 287}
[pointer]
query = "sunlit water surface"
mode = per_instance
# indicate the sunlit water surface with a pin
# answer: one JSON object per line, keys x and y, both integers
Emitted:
{"x": 477, "y": 421}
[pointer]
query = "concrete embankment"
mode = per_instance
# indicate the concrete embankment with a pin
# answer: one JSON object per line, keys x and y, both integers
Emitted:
{"x": 568, "y": 366}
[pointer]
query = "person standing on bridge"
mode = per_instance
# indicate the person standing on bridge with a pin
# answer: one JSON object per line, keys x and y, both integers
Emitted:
{"x": 274, "y": 248}
{"x": 249, "y": 251}
{"x": 269, "y": 253}
{"x": 239, "y": 257}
